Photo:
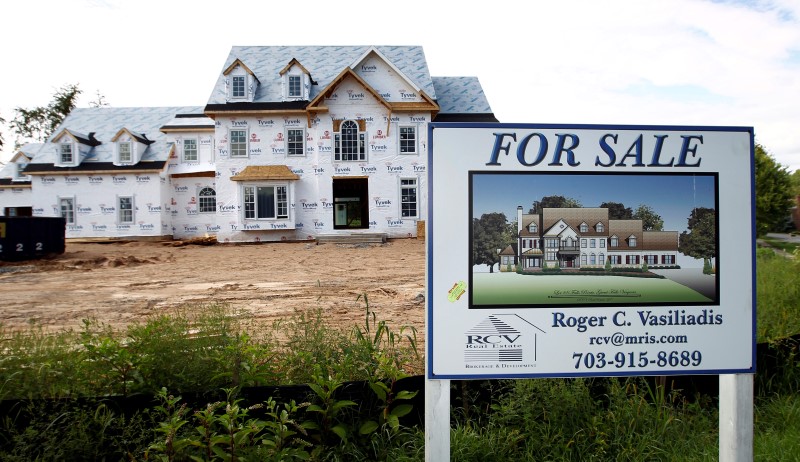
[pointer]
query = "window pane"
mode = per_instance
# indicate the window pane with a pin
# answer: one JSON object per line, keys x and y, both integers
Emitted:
{"x": 238, "y": 143}
{"x": 283, "y": 202}
{"x": 189, "y": 150}
{"x": 295, "y": 142}
{"x": 68, "y": 211}
{"x": 408, "y": 197}
{"x": 408, "y": 140}
{"x": 66, "y": 153}
{"x": 238, "y": 86}
{"x": 207, "y": 200}
{"x": 125, "y": 209}
{"x": 249, "y": 202}
{"x": 124, "y": 152}
{"x": 266, "y": 202}
{"x": 294, "y": 85}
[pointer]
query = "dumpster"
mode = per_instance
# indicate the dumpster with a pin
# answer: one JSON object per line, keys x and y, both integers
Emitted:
{"x": 28, "y": 238}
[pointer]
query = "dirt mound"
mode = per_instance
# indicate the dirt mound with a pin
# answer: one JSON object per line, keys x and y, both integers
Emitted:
{"x": 120, "y": 283}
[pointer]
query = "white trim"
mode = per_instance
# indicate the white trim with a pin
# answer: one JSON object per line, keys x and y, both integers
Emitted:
{"x": 416, "y": 187}
{"x": 246, "y": 142}
{"x": 119, "y": 210}
{"x": 196, "y": 150}
{"x": 400, "y": 128}
{"x": 286, "y": 141}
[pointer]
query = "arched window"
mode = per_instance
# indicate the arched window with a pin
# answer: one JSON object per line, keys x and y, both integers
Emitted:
{"x": 349, "y": 143}
{"x": 207, "y": 200}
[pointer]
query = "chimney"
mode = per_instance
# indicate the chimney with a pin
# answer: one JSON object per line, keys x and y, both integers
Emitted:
{"x": 519, "y": 219}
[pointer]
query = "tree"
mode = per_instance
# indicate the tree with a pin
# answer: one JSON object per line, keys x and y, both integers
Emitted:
{"x": 38, "y": 123}
{"x": 490, "y": 232}
{"x": 617, "y": 211}
{"x": 700, "y": 241}
{"x": 773, "y": 193}
{"x": 554, "y": 202}
{"x": 651, "y": 221}
{"x": 796, "y": 183}
{"x": 99, "y": 101}
{"x": 2, "y": 121}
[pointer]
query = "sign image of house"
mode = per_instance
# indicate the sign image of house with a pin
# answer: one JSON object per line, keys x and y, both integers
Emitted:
{"x": 586, "y": 238}
{"x": 293, "y": 143}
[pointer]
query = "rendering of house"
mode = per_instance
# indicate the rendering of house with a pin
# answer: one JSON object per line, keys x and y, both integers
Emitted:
{"x": 586, "y": 237}
{"x": 293, "y": 143}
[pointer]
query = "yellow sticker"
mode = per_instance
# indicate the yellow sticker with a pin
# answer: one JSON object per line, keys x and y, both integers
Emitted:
{"x": 456, "y": 291}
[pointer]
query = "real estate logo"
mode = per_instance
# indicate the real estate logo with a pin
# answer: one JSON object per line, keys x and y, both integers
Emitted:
{"x": 493, "y": 341}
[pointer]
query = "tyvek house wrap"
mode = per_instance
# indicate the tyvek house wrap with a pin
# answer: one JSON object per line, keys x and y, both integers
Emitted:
{"x": 95, "y": 185}
{"x": 382, "y": 88}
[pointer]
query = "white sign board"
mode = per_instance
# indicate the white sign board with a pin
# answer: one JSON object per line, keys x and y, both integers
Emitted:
{"x": 582, "y": 250}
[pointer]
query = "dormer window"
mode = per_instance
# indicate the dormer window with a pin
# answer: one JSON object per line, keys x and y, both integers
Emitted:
{"x": 65, "y": 153}
{"x": 600, "y": 228}
{"x": 632, "y": 241}
{"x": 237, "y": 90}
{"x": 125, "y": 152}
{"x": 295, "y": 86}
{"x": 532, "y": 228}
{"x": 584, "y": 228}
{"x": 190, "y": 150}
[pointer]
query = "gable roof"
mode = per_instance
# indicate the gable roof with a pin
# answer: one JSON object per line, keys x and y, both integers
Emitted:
{"x": 325, "y": 63}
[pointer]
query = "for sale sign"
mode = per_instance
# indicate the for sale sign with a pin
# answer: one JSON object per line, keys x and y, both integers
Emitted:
{"x": 561, "y": 250}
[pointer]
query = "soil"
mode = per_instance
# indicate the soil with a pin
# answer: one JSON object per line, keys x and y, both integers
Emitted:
{"x": 124, "y": 282}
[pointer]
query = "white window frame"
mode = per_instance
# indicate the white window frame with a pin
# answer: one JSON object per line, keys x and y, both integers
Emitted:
{"x": 250, "y": 207}
{"x": 614, "y": 241}
{"x": 246, "y": 142}
{"x": 600, "y": 228}
{"x": 360, "y": 153}
{"x": 405, "y": 142}
{"x": 120, "y": 145}
{"x": 234, "y": 78}
{"x": 299, "y": 93}
{"x": 289, "y": 141}
{"x": 202, "y": 199}
{"x": 533, "y": 228}
{"x": 123, "y": 220}
{"x": 584, "y": 228}
{"x": 184, "y": 150}
{"x": 406, "y": 200}
{"x": 602, "y": 243}
{"x": 632, "y": 241}
{"x": 61, "y": 153}
{"x": 69, "y": 215}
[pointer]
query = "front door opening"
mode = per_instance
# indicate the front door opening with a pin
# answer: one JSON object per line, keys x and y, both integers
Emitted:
{"x": 350, "y": 206}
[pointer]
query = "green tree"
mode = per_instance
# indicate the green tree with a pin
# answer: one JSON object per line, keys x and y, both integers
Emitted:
{"x": 617, "y": 211}
{"x": 554, "y": 202}
{"x": 796, "y": 183}
{"x": 490, "y": 232}
{"x": 651, "y": 221}
{"x": 36, "y": 124}
{"x": 773, "y": 193}
{"x": 700, "y": 240}
{"x": 99, "y": 101}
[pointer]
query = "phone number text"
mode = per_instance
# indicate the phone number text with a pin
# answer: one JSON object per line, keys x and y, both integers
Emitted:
{"x": 638, "y": 359}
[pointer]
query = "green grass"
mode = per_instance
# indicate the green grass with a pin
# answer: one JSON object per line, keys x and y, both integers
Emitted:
{"x": 517, "y": 289}
{"x": 207, "y": 348}
{"x": 786, "y": 246}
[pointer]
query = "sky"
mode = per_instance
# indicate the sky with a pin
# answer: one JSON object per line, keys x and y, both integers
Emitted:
{"x": 672, "y": 197}
{"x": 682, "y": 62}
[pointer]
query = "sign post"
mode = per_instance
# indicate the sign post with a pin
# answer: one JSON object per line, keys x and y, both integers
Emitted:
{"x": 582, "y": 250}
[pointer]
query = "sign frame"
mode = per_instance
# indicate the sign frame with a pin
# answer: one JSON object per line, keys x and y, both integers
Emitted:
{"x": 458, "y": 153}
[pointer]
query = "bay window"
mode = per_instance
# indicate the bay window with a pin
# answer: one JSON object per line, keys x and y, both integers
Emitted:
{"x": 266, "y": 202}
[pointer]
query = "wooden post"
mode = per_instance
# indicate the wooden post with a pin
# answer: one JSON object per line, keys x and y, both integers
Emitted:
{"x": 437, "y": 420}
{"x": 736, "y": 417}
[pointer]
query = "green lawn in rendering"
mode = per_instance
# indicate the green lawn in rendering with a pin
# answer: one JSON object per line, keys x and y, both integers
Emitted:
{"x": 518, "y": 289}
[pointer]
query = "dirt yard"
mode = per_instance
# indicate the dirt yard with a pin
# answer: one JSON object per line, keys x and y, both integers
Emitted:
{"x": 120, "y": 283}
